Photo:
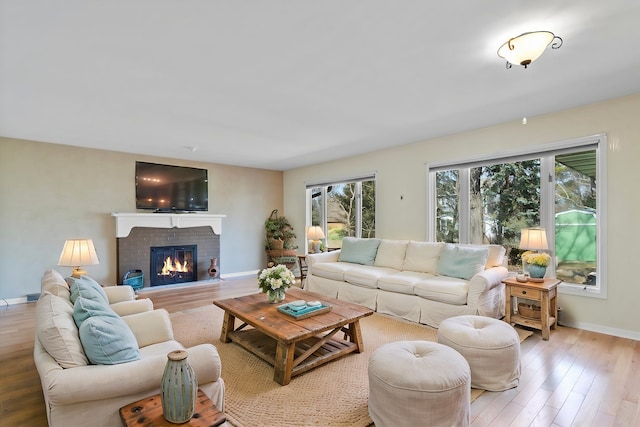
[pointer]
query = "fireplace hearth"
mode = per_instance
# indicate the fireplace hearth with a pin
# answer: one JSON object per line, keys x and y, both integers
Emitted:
{"x": 173, "y": 264}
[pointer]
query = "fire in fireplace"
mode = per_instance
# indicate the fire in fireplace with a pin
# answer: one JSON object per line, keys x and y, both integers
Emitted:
{"x": 173, "y": 264}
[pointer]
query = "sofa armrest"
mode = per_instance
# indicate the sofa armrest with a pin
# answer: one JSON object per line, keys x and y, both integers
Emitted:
{"x": 483, "y": 282}
{"x": 99, "y": 382}
{"x": 322, "y": 257}
{"x": 126, "y": 308}
{"x": 119, "y": 293}
{"x": 150, "y": 327}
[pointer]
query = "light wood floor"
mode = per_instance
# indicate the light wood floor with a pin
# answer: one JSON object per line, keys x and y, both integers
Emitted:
{"x": 577, "y": 378}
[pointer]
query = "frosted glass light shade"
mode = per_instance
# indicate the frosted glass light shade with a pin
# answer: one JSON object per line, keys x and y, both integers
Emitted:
{"x": 526, "y": 48}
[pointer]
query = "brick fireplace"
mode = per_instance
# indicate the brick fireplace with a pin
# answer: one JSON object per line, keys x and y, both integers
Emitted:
{"x": 144, "y": 240}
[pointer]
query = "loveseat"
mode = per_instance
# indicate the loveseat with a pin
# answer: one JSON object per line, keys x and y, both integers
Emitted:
{"x": 423, "y": 282}
{"x": 89, "y": 372}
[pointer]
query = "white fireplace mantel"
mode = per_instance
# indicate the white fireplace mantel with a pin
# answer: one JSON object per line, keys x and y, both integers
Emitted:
{"x": 126, "y": 221}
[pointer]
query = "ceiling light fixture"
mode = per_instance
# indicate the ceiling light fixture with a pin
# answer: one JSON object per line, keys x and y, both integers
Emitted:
{"x": 528, "y": 47}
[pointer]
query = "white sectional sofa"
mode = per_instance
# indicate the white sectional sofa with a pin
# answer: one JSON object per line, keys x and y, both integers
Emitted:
{"x": 423, "y": 282}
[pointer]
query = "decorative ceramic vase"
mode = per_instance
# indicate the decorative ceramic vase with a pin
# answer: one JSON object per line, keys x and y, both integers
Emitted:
{"x": 275, "y": 295}
{"x": 213, "y": 268}
{"x": 178, "y": 389}
{"x": 537, "y": 271}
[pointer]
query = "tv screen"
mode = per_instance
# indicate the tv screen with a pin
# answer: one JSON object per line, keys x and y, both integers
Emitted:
{"x": 167, "y": 188}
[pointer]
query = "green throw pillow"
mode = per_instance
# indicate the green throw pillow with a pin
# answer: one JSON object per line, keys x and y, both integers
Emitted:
{"x": 462, "y": 262}
{"x": 85, "y": 308}
{"x": 108, "y": 341}
{"x": 86, "y": 287}
{"x": 359, "y": 251}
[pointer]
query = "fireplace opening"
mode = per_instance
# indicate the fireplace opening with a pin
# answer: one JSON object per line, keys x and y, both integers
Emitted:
{"x": 173, "y": 264}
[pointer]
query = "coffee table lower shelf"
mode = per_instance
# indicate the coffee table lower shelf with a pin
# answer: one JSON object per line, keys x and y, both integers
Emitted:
{"x": 308, "y": 354}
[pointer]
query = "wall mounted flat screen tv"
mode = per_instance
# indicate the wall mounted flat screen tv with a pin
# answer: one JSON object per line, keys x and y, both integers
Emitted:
{"x": 167, "y": 188}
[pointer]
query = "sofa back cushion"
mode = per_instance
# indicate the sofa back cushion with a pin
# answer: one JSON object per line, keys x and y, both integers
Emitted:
{"x": 53, "y": 283}
{"x": 462, "y": 261}
{"x": 57, "y": 332}
{"x": 359, "y": 251}
{"x": 391, "y": 253}
{"x": 422, "y": 257}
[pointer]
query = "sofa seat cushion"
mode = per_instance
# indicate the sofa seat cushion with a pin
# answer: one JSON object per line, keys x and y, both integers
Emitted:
{"x": 402, "y": 282}
{"x": 57, "y": 331}
{"x": 366, "y": 276}
{"x": 330, "y": 270}
{"x": 445, "y": 289}
{"x": 422, "y": 257}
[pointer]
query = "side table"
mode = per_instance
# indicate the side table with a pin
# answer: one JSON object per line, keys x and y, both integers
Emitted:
{"x": 148, "y": 413}
{"x": 545, "y": 293}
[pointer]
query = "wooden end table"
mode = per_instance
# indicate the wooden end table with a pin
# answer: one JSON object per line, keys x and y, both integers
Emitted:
{"x": 148, "y": 413}
{"x": 292, "y": 346}
{"x": 544, "y": 292}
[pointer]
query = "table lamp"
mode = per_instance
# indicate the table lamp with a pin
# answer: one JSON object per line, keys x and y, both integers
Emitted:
{"x": 315, "y": 233}
{"x": 533, "y": 239}
{"x": 76, "y": 253}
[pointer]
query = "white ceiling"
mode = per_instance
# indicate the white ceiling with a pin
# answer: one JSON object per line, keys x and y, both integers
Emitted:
{"x": 279, "y": 84}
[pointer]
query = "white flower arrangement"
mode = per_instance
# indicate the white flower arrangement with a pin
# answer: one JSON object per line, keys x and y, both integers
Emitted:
{"x": 274, "y": 278}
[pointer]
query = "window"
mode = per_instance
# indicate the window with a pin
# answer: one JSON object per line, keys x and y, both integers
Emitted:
{"x": 491, "y": 200}
{"x": 343, "y": 208}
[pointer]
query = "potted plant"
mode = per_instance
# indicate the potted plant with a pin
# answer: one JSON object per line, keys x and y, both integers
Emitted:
{"x": 280, "y": 239}
{"x": 537, "y": 263}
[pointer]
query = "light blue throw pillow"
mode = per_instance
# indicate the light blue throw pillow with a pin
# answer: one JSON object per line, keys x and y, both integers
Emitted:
{"x": 84, "y": 308}
{"x": 86, "y": 287}
{"x": 108, "y": 341}
{"x": 462, "y": 262}
{"x": 359, "y": 251}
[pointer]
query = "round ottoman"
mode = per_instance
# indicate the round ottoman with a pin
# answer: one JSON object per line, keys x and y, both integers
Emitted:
{"x": 491, "y": 346}
{"x": 418, "y": 383}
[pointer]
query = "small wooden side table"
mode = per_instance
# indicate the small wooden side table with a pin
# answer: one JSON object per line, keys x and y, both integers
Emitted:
{"x": 543, "y": 292}
{"x": 148, "y": 413}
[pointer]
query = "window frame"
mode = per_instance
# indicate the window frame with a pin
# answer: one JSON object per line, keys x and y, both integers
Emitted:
{"x": 323, "y": 185}
{"x": 546, "y": 153}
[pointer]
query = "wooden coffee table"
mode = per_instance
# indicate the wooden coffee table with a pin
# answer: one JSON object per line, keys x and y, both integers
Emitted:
{"x": 292, "y": 346}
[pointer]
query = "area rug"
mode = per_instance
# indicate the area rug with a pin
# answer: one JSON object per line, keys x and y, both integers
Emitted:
{"x": 331, "y": 395}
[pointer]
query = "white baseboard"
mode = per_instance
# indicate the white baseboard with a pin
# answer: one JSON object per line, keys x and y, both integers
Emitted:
{"x": 622, "y": 333}
{"x": 240, "y": 274}
{"x": 12, "y": 301}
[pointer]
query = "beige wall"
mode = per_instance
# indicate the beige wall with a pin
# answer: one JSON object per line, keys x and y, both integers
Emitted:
{"x": 401, "y": 172}
{"x": 50, "y": 192}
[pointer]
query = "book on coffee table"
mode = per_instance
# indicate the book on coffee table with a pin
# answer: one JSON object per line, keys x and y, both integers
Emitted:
{"x": 305, "y": 312}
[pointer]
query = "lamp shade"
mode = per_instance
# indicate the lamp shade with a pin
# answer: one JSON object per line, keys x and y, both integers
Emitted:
{"x": 315, "y": 233}
{"x": 527, "y": 47}
{"x": 76, "y": 253}
{"x": 533, "y": 239}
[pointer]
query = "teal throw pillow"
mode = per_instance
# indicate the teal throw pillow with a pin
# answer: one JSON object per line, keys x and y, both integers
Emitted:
{"x": 85, "y": 308}
{"x": 108, "y": 341}
{"x": 462, "y": 262}
{"x": 359, "y": 251}
{"x": 86, "y": 287}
